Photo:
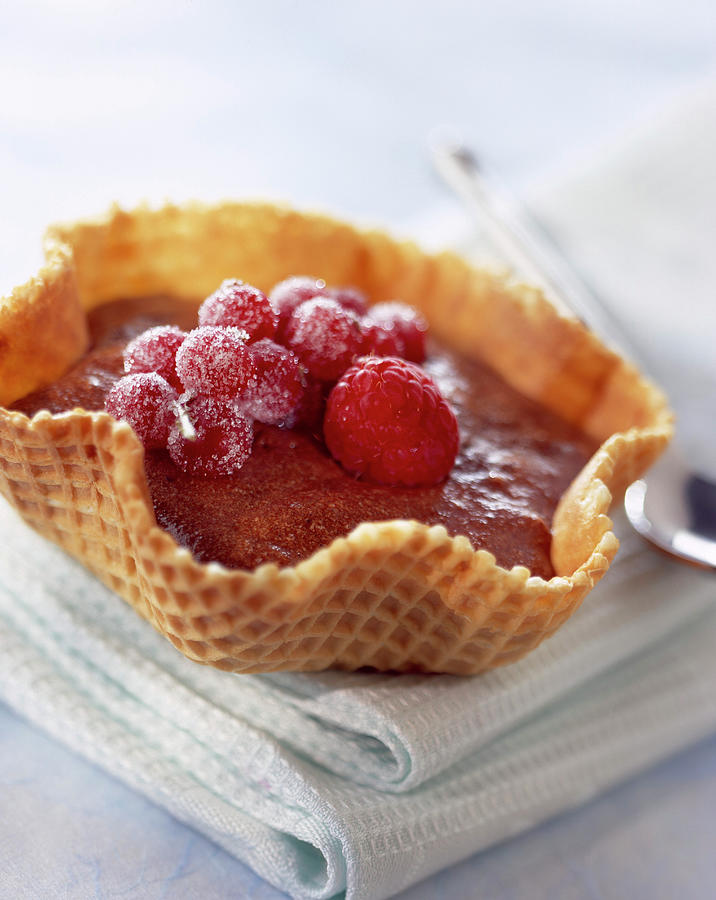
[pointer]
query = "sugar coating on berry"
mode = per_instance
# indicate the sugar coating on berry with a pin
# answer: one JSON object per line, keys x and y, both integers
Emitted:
{"x": 279, "y": 386}
{"x": 216, "y": 361}
{"x": 154, "y": 350}
{"x": 349, "y": 298}
{"x": 222, "y": 437}
{"x": 381, "y": 340}
{"x": 241, "y": 305}
{"x": 406, "y": 326}
{"x": 146, "y": 401}
{"x": 289, "y": 294}
{"x": 387, "y": 421}
{"x": 293, "y": 291}
{"x": 325, "y": 337}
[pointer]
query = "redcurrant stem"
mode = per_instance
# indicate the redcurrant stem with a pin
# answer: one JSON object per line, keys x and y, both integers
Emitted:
{"x": 185, "y": 426}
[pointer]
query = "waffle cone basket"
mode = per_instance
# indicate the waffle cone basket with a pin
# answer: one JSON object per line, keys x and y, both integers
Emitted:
{"x": 392, "y": 595}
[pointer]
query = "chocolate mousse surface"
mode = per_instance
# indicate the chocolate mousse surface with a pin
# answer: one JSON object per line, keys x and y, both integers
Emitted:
{"x": 291, "y": 498}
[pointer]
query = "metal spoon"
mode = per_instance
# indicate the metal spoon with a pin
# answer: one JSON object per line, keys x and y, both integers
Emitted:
{"x": 673, "y": 507}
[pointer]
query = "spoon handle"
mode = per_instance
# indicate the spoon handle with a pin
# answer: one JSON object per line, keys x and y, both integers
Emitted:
{"x": 525, "y": 245}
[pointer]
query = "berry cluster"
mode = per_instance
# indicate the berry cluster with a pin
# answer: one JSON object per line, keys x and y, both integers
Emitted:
{"x": 254, "y": 358}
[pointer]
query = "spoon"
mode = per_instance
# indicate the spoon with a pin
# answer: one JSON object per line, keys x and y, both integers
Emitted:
{"x": 673, "y": 507}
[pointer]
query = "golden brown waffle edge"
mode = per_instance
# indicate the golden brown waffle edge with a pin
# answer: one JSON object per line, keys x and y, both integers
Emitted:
{"x": 392, "y": 595}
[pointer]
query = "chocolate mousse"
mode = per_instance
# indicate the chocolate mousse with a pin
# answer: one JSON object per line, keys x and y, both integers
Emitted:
{"x": 291, "y": 497}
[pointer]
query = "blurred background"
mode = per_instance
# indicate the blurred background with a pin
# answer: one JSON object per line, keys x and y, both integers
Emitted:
{"x": 329, "y": 105}
{"x": 324, "y": 104}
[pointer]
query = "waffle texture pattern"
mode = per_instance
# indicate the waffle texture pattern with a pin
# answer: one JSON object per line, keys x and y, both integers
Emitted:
{"x": 394, "y": 595}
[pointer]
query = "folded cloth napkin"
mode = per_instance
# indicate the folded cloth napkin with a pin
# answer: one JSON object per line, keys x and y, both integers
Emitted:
{"x": 360, "y": 784}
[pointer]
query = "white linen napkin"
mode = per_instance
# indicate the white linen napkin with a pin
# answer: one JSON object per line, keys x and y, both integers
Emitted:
{"x": 361, "y": 784}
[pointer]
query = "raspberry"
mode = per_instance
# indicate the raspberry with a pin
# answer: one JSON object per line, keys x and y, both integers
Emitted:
{"x": 146, "y": 401}
{"x": 325, "y": 337}
{"x": 280, "y": 383}
{"x": 387, "y": 420}
{"x": 155, "y": 351}
{"x": 240, "y": 304}
{"x": 222, "y": 440}
{"x": 216, "y": 361}
{"x": 405, "y": 325}
{"x": 349, "y": 298}
{"x": 289, "y": 294}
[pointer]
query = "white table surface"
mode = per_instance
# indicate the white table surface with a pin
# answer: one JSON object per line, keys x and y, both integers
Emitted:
{"x": 326, "y": 105}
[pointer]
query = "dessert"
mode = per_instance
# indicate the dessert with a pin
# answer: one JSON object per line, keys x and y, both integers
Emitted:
{"x": 393, "y": 590}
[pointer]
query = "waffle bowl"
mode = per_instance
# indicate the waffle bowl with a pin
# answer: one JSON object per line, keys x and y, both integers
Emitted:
{"x": 393, "y": 595}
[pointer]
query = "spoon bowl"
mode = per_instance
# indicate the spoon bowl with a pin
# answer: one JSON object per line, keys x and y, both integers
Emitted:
{"x": 675, "y": 509}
